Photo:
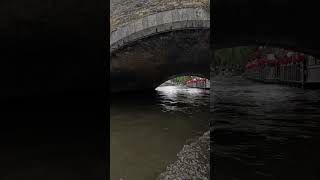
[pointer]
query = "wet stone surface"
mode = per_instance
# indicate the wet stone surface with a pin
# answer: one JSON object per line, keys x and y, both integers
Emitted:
{"x": 193, "y": 162}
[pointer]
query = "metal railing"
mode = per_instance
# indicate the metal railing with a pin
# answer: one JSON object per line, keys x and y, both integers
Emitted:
{"x": 285, "y": 73}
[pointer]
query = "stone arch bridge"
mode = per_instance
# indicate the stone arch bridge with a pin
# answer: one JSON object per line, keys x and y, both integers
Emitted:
{"x": 143, "y": 54}
{"x": 151, "y": 49}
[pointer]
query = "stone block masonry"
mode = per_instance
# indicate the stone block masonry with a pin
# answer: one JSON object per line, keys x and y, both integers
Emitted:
{"x": 123, "y": 12}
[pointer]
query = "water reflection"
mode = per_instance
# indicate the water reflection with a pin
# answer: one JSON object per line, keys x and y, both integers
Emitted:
{"x": 182, "y": 99}
{"x": 265, "y": 131}
{"x": 148, "y": 130}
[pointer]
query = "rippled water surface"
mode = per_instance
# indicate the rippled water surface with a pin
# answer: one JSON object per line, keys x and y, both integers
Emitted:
{"x": 148, "y": 130}
{"x": 264, "y": 131}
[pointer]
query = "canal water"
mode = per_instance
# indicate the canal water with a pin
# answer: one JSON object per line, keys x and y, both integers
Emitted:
{"x": 264, "y": 131}
{"x": 147, "y": 131}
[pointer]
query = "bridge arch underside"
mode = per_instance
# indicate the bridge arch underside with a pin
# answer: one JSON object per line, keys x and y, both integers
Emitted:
{"x": 147, "y": 63}
{"x": 271, "y": 23}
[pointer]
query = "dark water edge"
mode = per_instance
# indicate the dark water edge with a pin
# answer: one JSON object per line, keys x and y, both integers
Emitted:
{"x": 149, "y": 131}
{"x": 265, "y": 131}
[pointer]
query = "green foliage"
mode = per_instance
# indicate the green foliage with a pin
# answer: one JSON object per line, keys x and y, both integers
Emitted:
{"x": 182, "y": 79}
{"x": 234, "y": 56}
